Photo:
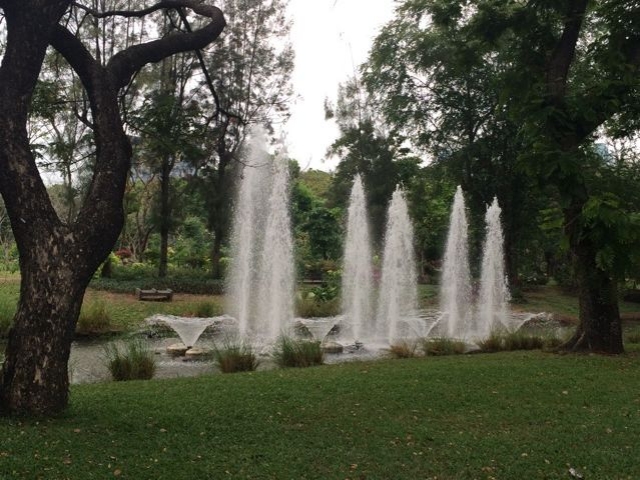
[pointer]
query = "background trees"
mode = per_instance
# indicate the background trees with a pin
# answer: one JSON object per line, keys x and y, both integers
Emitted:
{"x": 512, "y": 94}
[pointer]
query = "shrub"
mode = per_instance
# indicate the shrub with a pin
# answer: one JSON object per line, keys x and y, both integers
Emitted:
{"x": 443, "y": 346}
{"x": 233, "y": 358}
{"x": 134, "y": 362}
{"x": 94, "y": 318}
{"x": 404, "y": 350}
{"x": 290, "y": 352}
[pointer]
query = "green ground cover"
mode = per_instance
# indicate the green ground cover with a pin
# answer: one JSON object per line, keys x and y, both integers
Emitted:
{"x": 485, "y": 416}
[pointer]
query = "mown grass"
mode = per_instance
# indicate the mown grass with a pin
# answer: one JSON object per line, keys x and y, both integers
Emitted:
{"x": 501, "y": 416}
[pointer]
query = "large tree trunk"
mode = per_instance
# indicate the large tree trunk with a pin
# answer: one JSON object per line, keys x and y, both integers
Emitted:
{"x": 34, "y": 377}
{"x": 600, "y": 329}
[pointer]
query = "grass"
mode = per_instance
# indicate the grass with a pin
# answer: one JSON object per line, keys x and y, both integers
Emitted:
{"x": 235, "y": 357}
{"x": 290, "y": 352}
{"x": 134, "y": 362}
{"x": 502, "y": 416}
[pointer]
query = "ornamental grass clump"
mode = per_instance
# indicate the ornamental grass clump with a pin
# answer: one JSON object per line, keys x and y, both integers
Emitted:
{"x": 291, "y": 352}
{"x": 443, "y": 346}
{"x": 94, "y": 319}
{"x": 134, "y": 362}
{"x": 522, "y": 341}
{"x": 404, "y": 350}
{"x": 238, "y": 357}
{"x": 512, "y": 341}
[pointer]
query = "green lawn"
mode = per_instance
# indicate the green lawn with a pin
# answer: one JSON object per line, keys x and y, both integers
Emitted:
{"x": 500, "y": 416}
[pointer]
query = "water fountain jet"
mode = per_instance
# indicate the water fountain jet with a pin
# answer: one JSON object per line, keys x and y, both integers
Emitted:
{"x": 455, "y": 285}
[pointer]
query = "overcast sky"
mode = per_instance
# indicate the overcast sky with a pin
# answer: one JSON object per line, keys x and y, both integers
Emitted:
{"x": 331, "y": 38}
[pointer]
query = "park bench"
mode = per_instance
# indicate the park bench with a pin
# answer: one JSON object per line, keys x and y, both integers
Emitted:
{"x": 154, "y": 295}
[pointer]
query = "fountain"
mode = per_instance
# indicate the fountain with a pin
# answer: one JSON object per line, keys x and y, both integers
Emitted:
{"x": 398, "y": 297}
{"x": 455, "y": 284}
{"x": 494, "y": 289}
{"x": 261, "y": 280}
{"x": 357, "y": 275}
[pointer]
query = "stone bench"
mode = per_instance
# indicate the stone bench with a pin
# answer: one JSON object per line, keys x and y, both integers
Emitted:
{"x": 154, "y": 295}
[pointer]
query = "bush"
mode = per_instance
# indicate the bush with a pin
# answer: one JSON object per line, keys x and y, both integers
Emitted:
{"x": 94, "y": 319}
{"x": 297, "y": 353}
{"x": 233, "y": 358}
{"x": 404, "y": 350}
{"x": 135, "y": 362}
{"x": 443, "y": 346}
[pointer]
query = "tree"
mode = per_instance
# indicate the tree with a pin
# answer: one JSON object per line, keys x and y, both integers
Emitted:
{"x": 364, "y": 147}
{"x": 57, "y": 260}
{"x": 249, "y": 72}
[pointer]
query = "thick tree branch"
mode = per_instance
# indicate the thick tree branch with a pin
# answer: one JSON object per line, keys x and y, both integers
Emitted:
{"x": 562, "y": 56}
{"x": 166, "y": 4}
{"x": 124, "y": 64}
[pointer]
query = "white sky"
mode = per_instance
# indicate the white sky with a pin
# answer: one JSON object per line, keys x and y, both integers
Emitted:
{"x": 331, "y": 38}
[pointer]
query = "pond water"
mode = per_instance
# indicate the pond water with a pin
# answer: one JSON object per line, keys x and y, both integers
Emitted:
{"x": 88, "y": 363}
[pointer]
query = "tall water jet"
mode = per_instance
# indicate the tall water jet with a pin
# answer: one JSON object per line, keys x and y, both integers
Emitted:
{"x": 398, "y": 293}
{"x": 494, "y": 288}
{"x": 245, "y": 241}
{"x": 260, "y": 281}
{"x": 455, "y": 284}
{"x": 276, "y": 275}
{"x": 357, "y": 275}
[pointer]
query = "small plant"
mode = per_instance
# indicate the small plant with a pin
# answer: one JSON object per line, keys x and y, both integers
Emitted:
{"x": 134, "y": 362}
{"x": 290, "y": 352}
{"x": 94, "y": 318}
{"x": 404, "y": 350}
{"x": 237, "y": 357}
{"x": 443, "y": 346}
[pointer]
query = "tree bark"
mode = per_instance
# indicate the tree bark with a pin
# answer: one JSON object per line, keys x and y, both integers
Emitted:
{"x": 165, "y": 215}
{"x": 599, "y": 329}
{"x": 58, "y": 260}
